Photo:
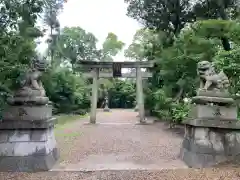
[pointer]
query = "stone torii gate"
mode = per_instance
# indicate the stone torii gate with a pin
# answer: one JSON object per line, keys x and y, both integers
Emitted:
{"x": 95, "y": 67}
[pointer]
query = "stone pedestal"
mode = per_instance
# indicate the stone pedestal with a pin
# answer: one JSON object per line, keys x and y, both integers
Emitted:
{"x": 27, "y": 141}
{"x": 207, "y": 146}
{"x": 27, "y": 146}
{"x": 212, "y": 132}
{"x": 106, "y": 109}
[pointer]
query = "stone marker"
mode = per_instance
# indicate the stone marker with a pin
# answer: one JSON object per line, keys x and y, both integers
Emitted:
{"x": 27, "y": 141}
{"x": 212, "y": 131}
{"x": 106, "y": 108}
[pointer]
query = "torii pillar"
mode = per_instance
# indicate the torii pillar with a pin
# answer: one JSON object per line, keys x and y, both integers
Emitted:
{"x": 94, "y": 99}
{"x": 140, "y": 97}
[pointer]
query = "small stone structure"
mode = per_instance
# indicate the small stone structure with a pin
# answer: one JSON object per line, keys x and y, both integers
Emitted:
{"x": 106, "y": 108}
{"x": 27, "y": 141}
{"x": 212, "y": 131}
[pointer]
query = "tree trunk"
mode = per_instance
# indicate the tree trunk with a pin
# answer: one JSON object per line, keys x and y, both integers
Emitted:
{"x": 225, "y": 42}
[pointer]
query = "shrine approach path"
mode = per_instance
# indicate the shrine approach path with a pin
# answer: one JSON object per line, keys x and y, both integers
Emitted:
{"x": 116, "y": 142}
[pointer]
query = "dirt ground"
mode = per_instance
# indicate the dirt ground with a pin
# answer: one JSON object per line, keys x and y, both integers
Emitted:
{"x": 117, "y": 148}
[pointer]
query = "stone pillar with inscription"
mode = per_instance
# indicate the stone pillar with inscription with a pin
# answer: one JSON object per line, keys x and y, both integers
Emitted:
{"x": 212, "y": 131}
{"x": 27, "y": 141}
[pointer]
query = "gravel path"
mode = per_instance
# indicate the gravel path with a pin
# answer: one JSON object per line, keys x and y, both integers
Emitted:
{"x": 181, "y": 174}
{"x": 118, "y": 149}
{"x": 117, "y": 143}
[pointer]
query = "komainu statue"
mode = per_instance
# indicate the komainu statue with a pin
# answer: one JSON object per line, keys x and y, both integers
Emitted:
{"x": 209, "y": 79}
{"x": 31, "y": 90}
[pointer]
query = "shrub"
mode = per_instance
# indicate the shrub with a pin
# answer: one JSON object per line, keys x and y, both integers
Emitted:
{"x": 68, "y": 92}
{"x": 179, "y": 111}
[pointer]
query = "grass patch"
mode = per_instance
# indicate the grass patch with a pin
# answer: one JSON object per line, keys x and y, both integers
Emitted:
{"x": 64, "y": 126}
{"x": 66, "y": 118}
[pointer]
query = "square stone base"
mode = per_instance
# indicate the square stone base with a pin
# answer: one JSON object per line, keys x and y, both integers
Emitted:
{"x": 27, "y": 150}
{"x": 28, "y": 113}
{"x": 213, "y": 111}
{"x": 208, "y": 146}
{"x": 30, "y": 163}
{"x": 106, "y": 110}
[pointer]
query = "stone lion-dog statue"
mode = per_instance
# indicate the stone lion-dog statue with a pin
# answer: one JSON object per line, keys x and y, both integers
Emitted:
{"x": 209, "y": 79}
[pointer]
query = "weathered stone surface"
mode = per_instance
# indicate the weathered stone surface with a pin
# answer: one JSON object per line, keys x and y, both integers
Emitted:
{"x": 213, "y": 93}
{"x": 186, "y": 143}
{"x": 209, "y": 146}
{"x": 4, "y": 136}
{"x": 31, "y": 163}
{"x": 203, "y": 146}
{"x": 27, "y": 148}
{"x": 39, "y": 135}
{"x": 230, "y": 138}
{"x": 231, "y": 143}
{"x": 28, "y": 113}
{"x": 188, "y": 131}
{"x": 197, "y": 160}
{"x": 211, "y": 112}
{"x": 217, "y": 142}
{"x": 31, "y": 100}
{"x": 201, "y": 133}
{"x": 214, "y": 123}
{"x": 12, "y": 125}
{"x": 216, "y": 100}
{"x": 237, "y": 138}
{"x": 19, "y": 136}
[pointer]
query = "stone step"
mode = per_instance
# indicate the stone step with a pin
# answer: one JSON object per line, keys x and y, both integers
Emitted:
{"x": 119, "y": 162}
{"x": 126, "y": 166}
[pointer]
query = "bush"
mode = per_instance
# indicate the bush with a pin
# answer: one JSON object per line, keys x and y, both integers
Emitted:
{"x": 167, "y": 109}
{"x": 68, "y": 92}
{"x": 161, "y": 104}
{"x": 122, "y": 94}
{"x": 179, "y": 111}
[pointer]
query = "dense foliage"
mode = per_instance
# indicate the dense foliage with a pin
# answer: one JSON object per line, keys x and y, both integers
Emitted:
{"x": 185, "y": 32}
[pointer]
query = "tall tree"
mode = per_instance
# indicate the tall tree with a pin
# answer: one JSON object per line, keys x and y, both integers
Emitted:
{"x": 169, "y": 16}
{"x": 215, "y": 9}
{"x": 111, "y": 47}
{"x": 76, "y": 44}
{"x": 51, "y": 10}
{"x": 142, "y": 44}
